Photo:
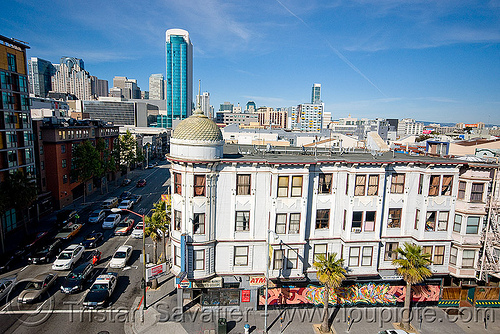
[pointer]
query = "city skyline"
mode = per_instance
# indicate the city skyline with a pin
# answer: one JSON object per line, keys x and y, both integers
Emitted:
{"x": 429, "y": 61}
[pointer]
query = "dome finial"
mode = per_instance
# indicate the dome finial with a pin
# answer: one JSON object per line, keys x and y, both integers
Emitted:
{"x": 198, "y": 110}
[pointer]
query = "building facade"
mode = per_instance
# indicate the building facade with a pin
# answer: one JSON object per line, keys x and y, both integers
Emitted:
{"x": 230, "y": 202}
{"x": 179, "y": 79}
{"x": 40, "y": 72}
{"x": 16, "y": 133}
{"x": 316, "y": 94}
{"x": 203, "y": 101}
{"x": 307, "y": 117}
{"x": 227, "y": 118}
{"x": 156, "y": 87}
{"x": 58, "y": 138}
{"x": 71, "y": 77}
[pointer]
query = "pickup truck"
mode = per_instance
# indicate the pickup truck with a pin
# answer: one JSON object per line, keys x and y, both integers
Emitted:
{"x": 69, "y": 231}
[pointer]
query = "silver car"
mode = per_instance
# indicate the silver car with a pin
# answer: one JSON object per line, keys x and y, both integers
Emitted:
{"x": 36, "y": 287}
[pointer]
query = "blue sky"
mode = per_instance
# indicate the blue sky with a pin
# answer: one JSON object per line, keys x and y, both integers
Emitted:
{"x": 429, "y": 60}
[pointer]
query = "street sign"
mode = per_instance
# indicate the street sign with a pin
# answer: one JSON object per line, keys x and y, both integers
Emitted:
{"x": 184, "y": 284}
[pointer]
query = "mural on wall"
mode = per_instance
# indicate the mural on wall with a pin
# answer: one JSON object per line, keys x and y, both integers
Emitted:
{"x": 369, "y": 293}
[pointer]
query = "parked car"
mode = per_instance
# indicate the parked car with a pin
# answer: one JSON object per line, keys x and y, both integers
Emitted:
{"x": 6, "y": 285}
{"x": 110, "y": 203}
{"x": 36, "y": 287}
{"x": 126, "y": 205}
{"x": 126, "y": 182}
{"x": 137, "y": 231}
{"x": 125, "y": 195}
{"x": 124, "y": 227}
{"x": 12, "y": 260}
{"x": 69, "y": 231}
{"x": 97, "y": 216}
{"x": 75, "y": 280}
{"x": 141, "y": 183}
{"x": 122, "y": 254}
{"x": 92, "y": 240}
{"x": 68, "y": 257}
{"x": 136, "y": 198}
{"x": 111, "y": 221}
{"x": 99, "y": 293}
{"x": 393, "y": 331}
{"x": 45, "y": 253}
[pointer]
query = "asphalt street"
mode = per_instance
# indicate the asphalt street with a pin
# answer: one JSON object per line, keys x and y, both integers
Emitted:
{"x": 58, "y": 312}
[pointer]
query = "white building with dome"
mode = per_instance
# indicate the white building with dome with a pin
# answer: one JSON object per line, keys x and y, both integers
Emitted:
{"x": 225, "y": 198}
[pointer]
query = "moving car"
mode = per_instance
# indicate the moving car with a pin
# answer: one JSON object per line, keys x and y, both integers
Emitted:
{"x": 36, "y": 287}
{"x": 126, "y": 182}
{"x": 110, "y": 203}
{"x": 6, "y": 285}
{"x": 101, "y": 290}
{"x": 67, "y": 216}
{"x": 125, "y": 195}
{"x": 137, "y": 231}
{"x": 135, "y": 198}
{"x": 141, "y": 183}
{"x": 77, "y": 277}
{"x": 69, "y": 231}
{"x": 11, "y": 260}
{"x": 92, "y": 240}
{"x": 122, "y": 254}
{"x": 68, "y": 257}
{"x": 126, "y": 205}
{"x": 124, "y": 227}
{"x": 97, "y": 216}
{"x": 45, "y": 253}
{"x": 111, "y": 221}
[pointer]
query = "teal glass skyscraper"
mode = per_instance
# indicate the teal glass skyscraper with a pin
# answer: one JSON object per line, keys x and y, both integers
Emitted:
{"x": 179, "y": 79}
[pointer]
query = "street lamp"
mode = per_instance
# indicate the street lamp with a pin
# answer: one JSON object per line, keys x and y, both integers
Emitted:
{"x": 143, "y": 283}
{"x": 267, "y": 274}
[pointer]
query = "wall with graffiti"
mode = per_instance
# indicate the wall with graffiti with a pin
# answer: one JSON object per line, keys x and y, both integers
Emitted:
{"x": 370, "y": 293}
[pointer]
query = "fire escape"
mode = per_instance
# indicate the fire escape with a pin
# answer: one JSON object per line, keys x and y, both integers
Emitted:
{"x": 489, "y": 256}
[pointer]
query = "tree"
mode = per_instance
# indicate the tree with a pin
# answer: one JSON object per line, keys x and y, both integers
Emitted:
{"x": 19, "y": 192}
{"x": 87, "y": 163}
{"x": 157, "y": 227}
{"x": 412, "y": 265}
{"x": 128, "y": 149}
{"x": 107, "y": 160}
{"x": 331, "y": 273}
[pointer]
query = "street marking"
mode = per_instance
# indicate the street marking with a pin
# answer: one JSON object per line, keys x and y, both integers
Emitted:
{"x": 63, "y": 311}
{"x": 25, "y": 267}
{"x": 7, "y": 305}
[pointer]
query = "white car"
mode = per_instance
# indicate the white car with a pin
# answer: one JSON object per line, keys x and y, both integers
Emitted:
{"x": 121, "y": 257}
{"x": 97, "y": 216}
{"x": 111, "y": 221}
{"x": 137, "y": 231}
{"x": 126, "y": 204}
{"x": 68, "y": 257}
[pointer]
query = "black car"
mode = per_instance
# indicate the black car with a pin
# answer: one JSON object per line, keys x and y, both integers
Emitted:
{"x": 125, "y": 195}
{"x": 136, "y": 198}
{"x": 76, "y": 279}
{"x": 92, "y": 240}
{"x": 101, "y": 290}
{"x": 45, "y": 253}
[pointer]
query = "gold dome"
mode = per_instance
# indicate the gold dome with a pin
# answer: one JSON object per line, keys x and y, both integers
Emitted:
{"x": 197, "y": 127}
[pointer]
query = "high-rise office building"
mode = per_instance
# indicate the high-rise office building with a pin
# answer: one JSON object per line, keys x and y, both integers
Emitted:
{"x": 71, "y": 77}
{"x": 16, "y": 133}
{"x": 307, "y": 117}
{"x": 316, "y": 94}
{"x": 226, "y": 106}
{"x": 179, "y": 81}
{"x": 251, "y": 107}
{"x": 128, "y": 87}
{"x": 204, "y": 101}
{"x": 39, "y": 74}
{"x": 156, "y": 87}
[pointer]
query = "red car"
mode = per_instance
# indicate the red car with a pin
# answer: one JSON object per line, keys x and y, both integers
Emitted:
{"x": 141, "y": 183}
{"x": 124, "y": 227}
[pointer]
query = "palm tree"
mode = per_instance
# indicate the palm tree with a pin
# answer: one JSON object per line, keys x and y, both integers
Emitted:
{"x": 412, "y": 265}
{"x": 331, "y": 273}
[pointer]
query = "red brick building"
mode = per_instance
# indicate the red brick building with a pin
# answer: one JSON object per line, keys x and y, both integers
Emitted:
{"x": 58, "y": 138}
